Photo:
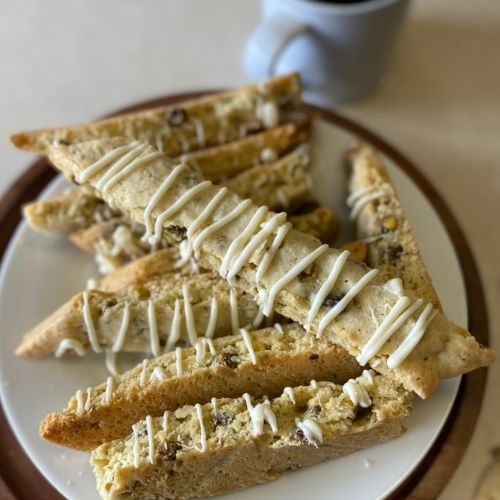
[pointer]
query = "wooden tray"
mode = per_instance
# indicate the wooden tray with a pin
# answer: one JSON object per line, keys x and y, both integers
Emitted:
{"x": 20, "y": 479}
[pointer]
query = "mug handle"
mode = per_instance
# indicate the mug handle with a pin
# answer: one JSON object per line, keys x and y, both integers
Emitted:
{"x": 268, "y": 41}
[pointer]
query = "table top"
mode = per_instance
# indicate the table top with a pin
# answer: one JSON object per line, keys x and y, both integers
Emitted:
{"x": 439, "y": 103}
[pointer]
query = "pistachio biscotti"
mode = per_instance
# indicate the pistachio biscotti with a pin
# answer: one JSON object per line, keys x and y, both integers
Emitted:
{"x": 229, "y": 444}
{"x": 397, "y": 334}
{"x": 148, "y": 316}
{"x": 381, "y": 221}
{"x": 260, "y": 362}
{"x": 222, "y": 162}
{"x": 187, "y": 126}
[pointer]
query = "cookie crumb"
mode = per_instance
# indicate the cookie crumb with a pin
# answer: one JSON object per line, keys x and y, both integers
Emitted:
{"x": 367, "y": 463}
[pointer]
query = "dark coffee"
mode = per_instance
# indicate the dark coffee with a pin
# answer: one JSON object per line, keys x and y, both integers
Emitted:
{"x": 341, "y": 2}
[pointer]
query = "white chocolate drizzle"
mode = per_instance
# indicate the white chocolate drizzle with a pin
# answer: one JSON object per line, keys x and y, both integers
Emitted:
{"x": 212, "y": 228}
{"x": 118, "y": 165}
{"x": 109, "y": 390}
{"x": 122, "y": 332}
{"x": 200, "y": 132}
{"x": 268, "y": 155}
{"x": 233, "y": 305}
{"x": 326, "y": 288}
{"x": 142, "y": 379}
{"x": 135, "y": 429}
{"x": 151, "y": 440}
{"x": 268, "y": 113}
{"x": 175, "y": 327}
{"x": 213, "y": 402}
{"x": 156, "y": 198}
{"x": 257, "y": 321}
{"x": 269, "y": 255}
{"x": 110, "y": 361}
{"x": 110, "y": 156}
{"x": 283, "y": 198}
{"x": 355, "y": 389}
{"x": 175, "y": 207}
{"x": 159, "y": 141}
{"x": 153, "y": 329}
{"x": 70, "y": 344}
{"x": 178, "y": 361}
{"x": 239, "y": 243}
{"x": 203, "y": 433}
{"x": 289, "y": 392}
{"x": 200, "y": 349}
{"x": 358, "y": 199}
{"x": 267, "y": 229}
{"x": 89, "y": 324}
{"x": 413, "y": 338}
{"x": 312, "y": 431}
{"x": 212, "y": 320}
{"x": 201, "y": 219}
{"x": 300, "y": 266}
{"x": 278, "y": 327}
{"x": 188, "y": 314}
{"x": 79, "y": 402}
{"x": 248, "y": 344}
{"x": 126, "y": 170}
{"x": 397, "y": 316}
{"x": 158, "y": 374}
{"x": 88, "y": 399}
{"x": 260, "y": 414}
{"x": 165, "y": 421}
{"x": 344, "y": 302}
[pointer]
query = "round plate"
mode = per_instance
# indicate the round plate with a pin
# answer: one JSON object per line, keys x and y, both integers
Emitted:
{"x": 39, "y": 273}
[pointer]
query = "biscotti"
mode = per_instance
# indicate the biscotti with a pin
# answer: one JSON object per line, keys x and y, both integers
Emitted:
{"x": 392, "y": 246}
{"x": 321, "y": 223}
{"x": 288, "y": 271}
{"x": 69, "y": 212}
{"x": 147, "y": 268}
{"x": 147, "y": 316}
{"x": 187, "y": 126}
{"x": 222, "y": 162}
{"x": 283, "y": 185}
{"x": 260, "y": 362}
{"x": 231, "y": 444}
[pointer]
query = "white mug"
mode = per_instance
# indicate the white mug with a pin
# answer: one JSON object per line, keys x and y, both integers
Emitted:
{"x": 339, "y": 49}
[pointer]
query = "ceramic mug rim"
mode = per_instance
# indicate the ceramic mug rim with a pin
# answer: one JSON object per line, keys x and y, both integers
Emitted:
{"x": 343, "y": 9}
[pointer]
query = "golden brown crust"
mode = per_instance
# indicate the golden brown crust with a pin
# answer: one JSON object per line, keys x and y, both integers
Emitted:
{"x": 107, "y": 309}
{"x": 392, "y": 246}
{"x": 174, "y": 127}
{"x": 288, "y": 358}
{"x": 146, "y": 268}
{"x": 446, "y": 350}
{"x": 221, "y": 162}
{"x": 234, "y": 458}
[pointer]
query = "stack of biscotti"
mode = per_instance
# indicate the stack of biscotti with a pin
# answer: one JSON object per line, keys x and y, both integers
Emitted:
{"x": 251, "y": 141}
{"x": 186, "y": 423}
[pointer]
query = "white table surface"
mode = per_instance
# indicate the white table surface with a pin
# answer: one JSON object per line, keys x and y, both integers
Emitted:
{"x": 64, "y": 61}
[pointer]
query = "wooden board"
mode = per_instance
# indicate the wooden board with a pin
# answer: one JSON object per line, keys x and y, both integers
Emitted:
{"x": 20, "y": 479}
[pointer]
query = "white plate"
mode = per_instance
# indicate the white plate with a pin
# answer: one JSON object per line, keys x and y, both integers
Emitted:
{"x": 39, "y": 273}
